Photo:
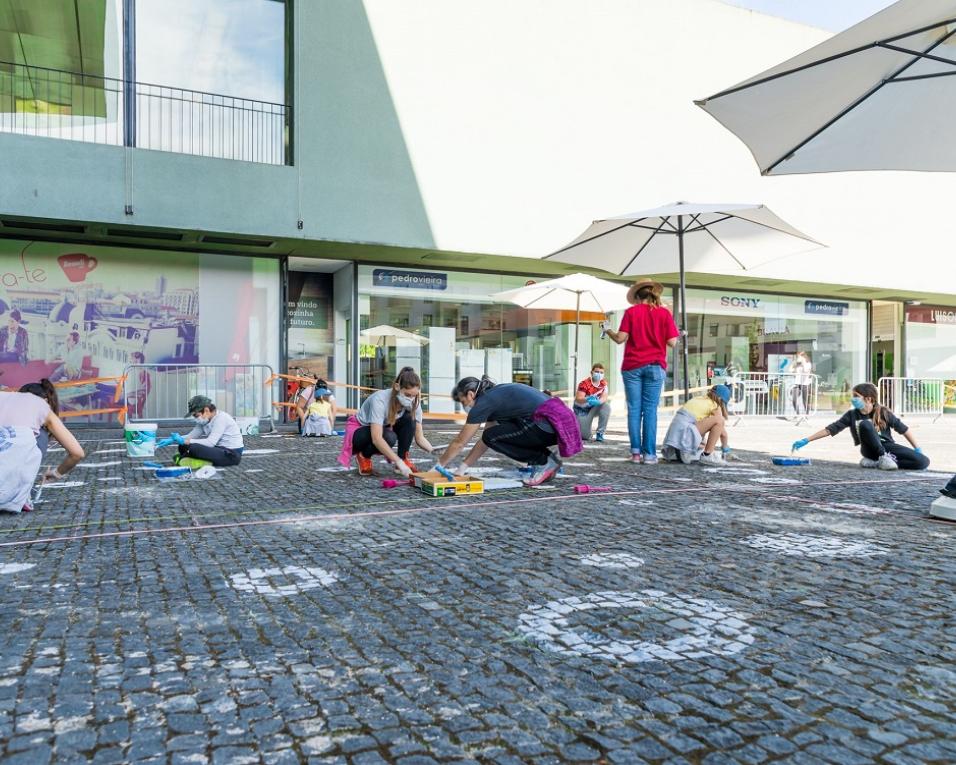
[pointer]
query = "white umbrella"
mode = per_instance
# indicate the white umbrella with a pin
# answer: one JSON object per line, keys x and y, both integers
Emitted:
{"x": 717, "y": 236}
{"x": 378, "y": 335}
{"x": 579, "y": 292}
{"x": 879, "y": 96}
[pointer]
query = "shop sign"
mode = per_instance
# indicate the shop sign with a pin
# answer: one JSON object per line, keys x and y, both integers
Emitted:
{"x": 418, "y": 280}
{"x": 733, "y": 301}
{"x": 826, "y": 307}
{"x": 931, "y": 315}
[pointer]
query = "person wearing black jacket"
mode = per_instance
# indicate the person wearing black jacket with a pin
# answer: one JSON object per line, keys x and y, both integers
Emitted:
{"x": 871, "y": 426}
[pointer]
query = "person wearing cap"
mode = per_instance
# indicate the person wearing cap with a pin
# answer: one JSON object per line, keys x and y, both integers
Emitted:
{"x": 320, "y": 414}
{"x": 648, "y": 333}
{"x": 696, "y": 428}
{"x": 14, "y": 340}
{"x": 216, "y": 438}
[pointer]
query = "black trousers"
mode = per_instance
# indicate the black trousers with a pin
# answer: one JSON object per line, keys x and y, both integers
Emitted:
{"x": 215, "y": 454}
{"x": 523, "y": 441}
{"x": 399, "y": 437}
{"x": 872, "y": 447}
{"x": 951, "y": 486}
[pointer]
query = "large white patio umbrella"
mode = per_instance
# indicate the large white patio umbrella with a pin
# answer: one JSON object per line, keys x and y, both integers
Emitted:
{"x": 713, "y": 236}
{"x": 577, "y": 292}
{"x": 879, "y": 96}
{"x": 379, "y": 335}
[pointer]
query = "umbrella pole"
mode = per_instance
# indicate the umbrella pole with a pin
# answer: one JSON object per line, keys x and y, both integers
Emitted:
{"x": 572, "y": 388}
{"x": 683, "y": 306}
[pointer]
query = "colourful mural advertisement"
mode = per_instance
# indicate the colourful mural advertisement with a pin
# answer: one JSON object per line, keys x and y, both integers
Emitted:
{"x": 73, "y": 312}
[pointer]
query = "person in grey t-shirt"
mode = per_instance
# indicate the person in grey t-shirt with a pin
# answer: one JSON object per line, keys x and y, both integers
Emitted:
{"x": 390, "y": 420}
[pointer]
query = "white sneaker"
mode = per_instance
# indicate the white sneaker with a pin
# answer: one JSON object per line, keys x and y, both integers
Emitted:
{"x": 688, "y": 457}
{"x": 711, "y": 459}
{"x": 543, "y": 473}
{"x": 887, "y": 462}
{"x": 866, "y": 462}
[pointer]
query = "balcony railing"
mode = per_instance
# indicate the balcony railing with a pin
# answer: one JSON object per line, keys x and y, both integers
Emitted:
{"x": 80, "y": 107}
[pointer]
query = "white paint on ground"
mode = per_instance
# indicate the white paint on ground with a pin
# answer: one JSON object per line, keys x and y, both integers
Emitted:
{"x": 110, "y": 478}
{"x": 264, "y": 581}
{"x": 635, "y": 502}
{"x": 98, "y": 464}
{"x": 109, "y": 451}
{"x": 63, "y": 485}
{"x": 15, "y": 568}
{"x": 774, "y": 480}
{"x": 332, "y": 469}
{"x": 259, "y": 451}
{"x": 705, "y": 628}
{"x": 808, "y": 546}
{"x": 256, "y": 470}
{"x": 741, "y": 471}
{"x": 612, "y": 560}
{"x": 614, "y": 459}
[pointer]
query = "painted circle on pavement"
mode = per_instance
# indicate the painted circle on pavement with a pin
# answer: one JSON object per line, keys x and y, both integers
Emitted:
{"x": 705, "y": 628}
{"x": 809, "y": 546}
{"x": 612, "y": 560}
{"x": 266, "y": 581}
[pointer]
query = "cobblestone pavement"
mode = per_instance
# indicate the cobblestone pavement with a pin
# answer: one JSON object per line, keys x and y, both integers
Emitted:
{"x": 287, "y": 612}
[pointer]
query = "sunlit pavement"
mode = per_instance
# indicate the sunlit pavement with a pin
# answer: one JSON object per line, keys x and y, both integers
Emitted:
{"x": 286, "y": 611}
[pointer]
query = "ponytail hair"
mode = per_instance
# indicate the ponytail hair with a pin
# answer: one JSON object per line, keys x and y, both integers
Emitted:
{"x": 406, "y": 378}
{"x": 869, "y": 390}
{"x": 468, "y": 385}
{"x": 647, "y": 295}
{"x": 714, "y": 396}
{"x": 45, "y": 390}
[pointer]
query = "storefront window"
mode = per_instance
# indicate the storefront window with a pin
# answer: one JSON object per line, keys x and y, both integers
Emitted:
{"x": 931, "y": 346}
{"x": 761, "y": 333}
{"x": 446, "y": 325}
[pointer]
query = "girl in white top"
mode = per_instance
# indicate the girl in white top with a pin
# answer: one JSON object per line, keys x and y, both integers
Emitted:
{"x": 22, "y": 417}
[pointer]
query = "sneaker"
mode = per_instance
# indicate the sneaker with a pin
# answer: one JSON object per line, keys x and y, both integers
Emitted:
{"x": 543, "y": 473}
{"x": 364, "y": 464}
{"x": 408, "y": 461}
{"x": 712, "y": 459}
{"x": 887, "y": 462}
{"x": 637, "y": 459}
{"x": 687, "y": 457}
{"x": 599, "y": 437}
{"x": 650, "y": 459}
{"x": 869, "y": 464}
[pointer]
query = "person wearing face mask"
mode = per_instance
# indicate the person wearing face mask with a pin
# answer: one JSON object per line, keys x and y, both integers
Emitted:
{"x": 871, "y": 426}
{"x": 216, "y": 437}
{"x": 590, "y": 401}
{"x": 386, "y": 424}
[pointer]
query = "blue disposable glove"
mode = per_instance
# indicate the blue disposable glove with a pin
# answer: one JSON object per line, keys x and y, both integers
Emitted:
{"x": 593, "y": 401}
{"x": 164, "y": 442}
{"x": 177, "y": 438}
{"x": 797, "y": 445}
{"x": 725, "y": 450}
{"x": 918, "y": 450}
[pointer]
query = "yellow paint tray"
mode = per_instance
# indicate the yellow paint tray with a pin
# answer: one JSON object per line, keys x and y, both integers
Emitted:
{"x": 434, "y": 484}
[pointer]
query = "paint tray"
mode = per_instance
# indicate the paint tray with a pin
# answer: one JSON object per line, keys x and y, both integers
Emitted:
{"x": 790, "y": 461}
{"x": 434, "y": 484}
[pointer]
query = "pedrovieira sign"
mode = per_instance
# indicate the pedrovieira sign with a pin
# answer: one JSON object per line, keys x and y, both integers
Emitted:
{"x": 419, "y": 280}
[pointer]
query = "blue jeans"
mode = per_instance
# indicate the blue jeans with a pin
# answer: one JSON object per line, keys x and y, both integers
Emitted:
{"x": 642, "y": 389}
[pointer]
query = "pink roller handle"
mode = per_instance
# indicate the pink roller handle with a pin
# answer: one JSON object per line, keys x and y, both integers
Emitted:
{"x": 391, "y": 483}
{"x": 585, "y": 489}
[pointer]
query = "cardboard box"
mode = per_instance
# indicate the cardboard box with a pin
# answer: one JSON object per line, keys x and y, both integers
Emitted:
{"x": 434, "y": 484}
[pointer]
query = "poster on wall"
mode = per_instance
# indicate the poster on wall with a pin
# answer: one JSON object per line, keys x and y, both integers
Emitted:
{"x": 71, "y": 312}
{"x": 309, "y": 322}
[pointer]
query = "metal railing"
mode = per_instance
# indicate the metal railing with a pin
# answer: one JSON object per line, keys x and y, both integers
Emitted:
{"x": 908, "y": 396}
{"x": 773, "y": 394}
{"x": 159, "y": 392}
{"x": 53, "y": 103}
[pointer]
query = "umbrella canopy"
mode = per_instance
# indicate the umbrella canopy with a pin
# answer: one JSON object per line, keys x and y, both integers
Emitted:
{"x": 575, "y": 292}
{"x": 580, "y": 292}
{"x": 714, "y": 235}
{"x": 879, "y": 96}
{"x": 378, "y": 335}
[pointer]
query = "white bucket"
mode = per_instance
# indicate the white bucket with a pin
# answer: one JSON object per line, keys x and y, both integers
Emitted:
{"x": 141, "y": 438}
{"x": 248, "y": 426}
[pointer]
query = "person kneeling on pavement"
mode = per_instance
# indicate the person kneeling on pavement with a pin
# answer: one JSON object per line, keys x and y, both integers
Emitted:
{"x": 590, "y": 401}
{"x": 519, "y": 421}
{"x": 216, "y": 438}
{"x": 870, "y": 425}
{"x": 696, "y": 428}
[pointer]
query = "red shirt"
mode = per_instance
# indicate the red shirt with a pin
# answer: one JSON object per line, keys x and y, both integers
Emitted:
{"x": 588, "y": 387}
{"x": 648, "y": 331}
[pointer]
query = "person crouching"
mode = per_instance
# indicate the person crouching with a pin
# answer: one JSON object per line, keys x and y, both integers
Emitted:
{"x": 215, "y": 438}
{"x": 696, "y": 428}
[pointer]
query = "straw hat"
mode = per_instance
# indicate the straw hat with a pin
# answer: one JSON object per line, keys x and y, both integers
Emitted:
{"x": 656, "y": 287}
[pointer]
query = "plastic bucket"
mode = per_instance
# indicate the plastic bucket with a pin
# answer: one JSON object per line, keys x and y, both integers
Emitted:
{"x": 248, "y": 426}
{"x": 141, "y": 439}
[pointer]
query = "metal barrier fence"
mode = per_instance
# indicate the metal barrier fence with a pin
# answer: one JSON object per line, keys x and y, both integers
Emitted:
{"x": 773, "y": 394}
{"x": 908, "y": 396}
{"x": 53, "y": 103}
{"x": 160, "y": 392}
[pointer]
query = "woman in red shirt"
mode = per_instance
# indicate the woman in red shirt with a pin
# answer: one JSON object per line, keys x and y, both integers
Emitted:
{"x": 648, "y": 332}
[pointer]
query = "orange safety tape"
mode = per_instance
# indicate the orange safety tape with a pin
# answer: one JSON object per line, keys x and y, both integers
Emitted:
{"x": 277, "y": 375}
{"x": 88, "y": 381}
